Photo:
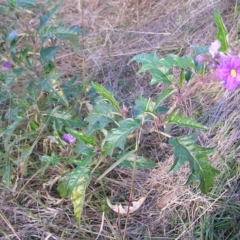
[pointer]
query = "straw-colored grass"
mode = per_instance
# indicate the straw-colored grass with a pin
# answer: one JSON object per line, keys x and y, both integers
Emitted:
{"x": 116, "y": 30}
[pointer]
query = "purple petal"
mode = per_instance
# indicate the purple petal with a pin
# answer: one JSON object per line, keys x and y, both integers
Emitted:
{"x": 7, "y": 64}
{"x": 68, "y": 138}
{"x": 213, "y": 49}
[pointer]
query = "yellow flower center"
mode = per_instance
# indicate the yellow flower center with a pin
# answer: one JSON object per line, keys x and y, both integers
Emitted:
{"x": 233, "y": 73}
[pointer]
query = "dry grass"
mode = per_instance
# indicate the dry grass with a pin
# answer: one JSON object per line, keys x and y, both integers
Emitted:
{"x": 116, "y": 31}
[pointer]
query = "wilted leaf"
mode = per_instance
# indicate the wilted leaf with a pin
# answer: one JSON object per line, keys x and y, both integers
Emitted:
{"x": 75, "y": 183}
{"x": 183, "y": 121}
{"x": 133, "y": 206}
{"x": 51, "y": 85}
{"x": 185, "y": 149}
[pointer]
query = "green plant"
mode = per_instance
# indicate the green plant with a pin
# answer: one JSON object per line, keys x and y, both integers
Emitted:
{"x": 84, "y": 121}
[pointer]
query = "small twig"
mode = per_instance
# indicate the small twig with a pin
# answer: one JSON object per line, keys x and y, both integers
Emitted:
{"x": 9, "y": 224}
{"x": 101, "y": 226}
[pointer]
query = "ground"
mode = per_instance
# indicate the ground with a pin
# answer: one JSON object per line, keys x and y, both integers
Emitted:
{"x": 116, "y": 31}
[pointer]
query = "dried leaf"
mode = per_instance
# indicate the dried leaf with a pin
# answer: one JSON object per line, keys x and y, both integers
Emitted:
{"x": 135, "y": 205}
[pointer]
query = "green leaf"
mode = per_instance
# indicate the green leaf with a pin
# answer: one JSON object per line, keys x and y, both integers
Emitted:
{"x": 155, "y": 66}
{"x": 173, "y": 60}
{"x": 186, "y": 150}
{"x": 74, "y": 41}
{"x": 101, "y": 115}
{"x": 10, "y": 129}
{"x": 26, "y": 3}
{"x": 46, "y": 54}
{"x": 125, "y": 156}
{"x": 58, "y": 32}
{"x": 81, "y": 136}
{"x": 165, "y": 94}
{"x": 45, "y": 18}
{"x": 222, "y": 34}
{"x": 51, "y": 85}
{"x": 117, "y": 137}
{"x": 146, "y": 108}
{"x": 161, "y": 74}
{"x": 12, "y": 3}
{"x": 140, "y": 163}
{"x": 183, "y": 121}
{"x": 105, "y": 94}
{"x": 63, "y": 118}
{"x": 75, "y": 183}
{"x": 181, "y": 77}
{"x": 85, "y": 149}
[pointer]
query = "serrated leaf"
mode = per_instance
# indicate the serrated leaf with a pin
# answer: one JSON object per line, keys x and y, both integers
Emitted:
{"x": 185, "y": 149}
{"x": 45, "y": 18}
{"x": 81, "y": 136}
{"x": 105, "y": 94}
{"x": 140, "y": 163}
{"x": 26, "y": 3}
{"x": 117, "y": 137}
{"x": 46, "y": 54}
{"x": 183, "y": 121}
{"x": 75, "y": 183}
{"x": 165, "y": 94}
{"x": 222, "y": 34}
{"x": 58, "y": 32}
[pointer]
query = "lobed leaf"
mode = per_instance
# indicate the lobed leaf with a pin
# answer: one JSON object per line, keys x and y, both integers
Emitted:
{"x": 45, "y": 18}
{"x": 185, "y": 149}
{"x": 117, "y": 137}
{"x": 101, "y": 115}
{"x": 183, "y": 121}
{"x": 105, "y": 94}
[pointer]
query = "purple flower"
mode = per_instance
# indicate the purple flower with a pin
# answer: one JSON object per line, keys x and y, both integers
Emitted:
{"x": 200, "y": 58}
{"x": 213, "y": 49}
{"x": 68, "y": 138}
{"x": 229, "y": 72}
{"x": 7, "y": 64}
